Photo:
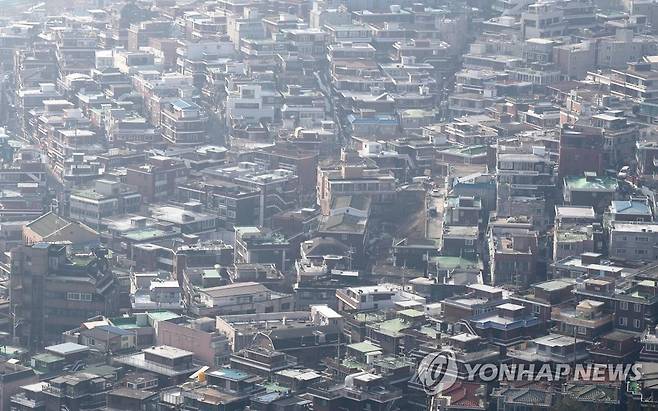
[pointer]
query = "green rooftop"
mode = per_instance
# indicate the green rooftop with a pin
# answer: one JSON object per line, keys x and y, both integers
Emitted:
{"x": 125, "y": 323}
{"x": 417, "y": 113}
{"x": 47, "y": 358}
{"x": 369, "y": 317}
{"x": 451, "y": 263}
{"x": 90, "y": 194}
{"x": 466, "y": 151}
{"x": 429, "y": 331}
{"x": 102, "y": 370}
{"x": 163, "y": 315}
{"x": 274, "y": 387}
{"x": 591, "y": 183}
{"x": 364, "y": 347}
{"x": 352, "y": 363}
{"x": 11, "y": 351}
{"x": 392, "y": 362}
{"x": 571, "y": 236}
{"x": 393, "y": 327}
{"x": 454, "y": 201}
{"x": 634, "y": 387}
{"x": 411, "y": 313}
{"x": 82, "y": 260}
{"x": 211, "y": 274}
{"x": 145, "y": 234}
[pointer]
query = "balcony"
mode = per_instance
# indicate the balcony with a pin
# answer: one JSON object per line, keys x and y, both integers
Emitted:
{"x": 56, "y": 391}
{"x": 21, "y": 399}
{"x": 377, "y": 394}
{"x": 570, "y": 317}
{"x": 343, "y": 296}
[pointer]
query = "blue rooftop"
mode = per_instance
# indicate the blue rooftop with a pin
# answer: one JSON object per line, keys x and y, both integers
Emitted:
{"x": 183, "y": 105}
{"x": 630, "y": 207}
{"x": 231, "y": 374}
{"x": 379, "y": 119}
{"x": 113, "y": 330}
{"x": 269, "y": 397}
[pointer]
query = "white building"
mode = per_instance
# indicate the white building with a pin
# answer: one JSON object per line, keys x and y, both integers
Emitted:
{"x": 375, "y": 297}
{"x": 249, "y": 103}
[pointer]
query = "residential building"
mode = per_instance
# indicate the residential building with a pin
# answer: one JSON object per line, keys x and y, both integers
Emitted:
{"x": 80, "y": 390}
{"x": 349, "y": 179}
{"x": 250, "y": 102}
{"x": 523, "y": 177}
{"x": 199, "y": 336}
{"x": 186, "y": 218}
{"x": 53, "y": 292}
{"x": 463, "y": 211}
{"x": 172, "y": 365}
{"x": 255, "y": 245}
{"x": 278, "y": 188}
{"x": 291, "y": 332}
{"x": 507, "y": 325}
{"x": 107, "y": 199}
{"x": 51, "y": 228}
{"x": 14, "y": 376}
{"x": 239, "y": 298}
{"x": 590, "y": 190}
{"x": 377, "y": 297}
{"x": 184, "y": 123}
{"x": 158, "y": 178}
{"x": 633, "y": 241}
{"x": 581, "y": 150}
{"x": 513, "y": 254}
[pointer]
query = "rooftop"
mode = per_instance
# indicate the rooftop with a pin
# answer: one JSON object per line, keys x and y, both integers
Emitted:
{"x": 145, "y": 234}
{"x": 635, "y": 227}
{"x": 47, "y": 224}
{"x": 163, "y": 315}
{"x": 67, "y": 348}
{"x": 179, "y": 215}
{"x": 608, "y": 184}
{"x": 231, "y": 374}
{"x": 556, "y": 340}
{"x": 364, "y": 347}
{"x": 168, "y": 352}
{"x": 581, "y": 212}
{"x": 630, "y": 207}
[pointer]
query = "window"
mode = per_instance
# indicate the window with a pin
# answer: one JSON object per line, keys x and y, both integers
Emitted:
{"x": 381, "y": 297}
{"x": 244, "y": 299}
{"x": 636, "y": 324}
{"x": 623, "y": 305}
{"x": 581, "y": 330}
{"x": 637, "y": 308}
{"x": 71, "y": 296}
{"x": 623, "y": 321}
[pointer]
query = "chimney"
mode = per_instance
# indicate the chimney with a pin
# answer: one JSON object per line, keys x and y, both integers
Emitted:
{"x": 590, "y": 258}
